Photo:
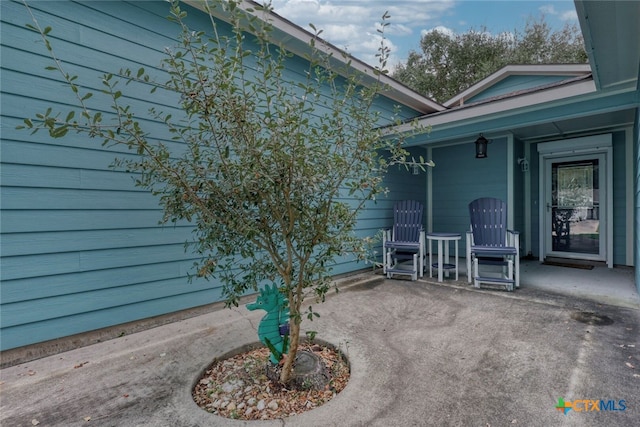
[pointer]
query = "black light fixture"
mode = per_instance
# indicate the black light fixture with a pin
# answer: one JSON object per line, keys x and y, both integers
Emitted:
{"x": 481, "y": 147}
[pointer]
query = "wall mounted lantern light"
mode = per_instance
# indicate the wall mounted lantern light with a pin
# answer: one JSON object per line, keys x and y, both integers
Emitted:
{"x": 481, "y": 147}
{"x": 524, "y": 164}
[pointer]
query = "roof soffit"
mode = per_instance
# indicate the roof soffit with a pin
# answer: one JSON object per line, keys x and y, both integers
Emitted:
{"x": 578, "y": 110}
{"x": 612, "y": 40}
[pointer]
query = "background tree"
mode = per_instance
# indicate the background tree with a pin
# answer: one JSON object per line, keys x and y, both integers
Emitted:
{"x": 257, "y": 160}
{"x": 450, "y": 63}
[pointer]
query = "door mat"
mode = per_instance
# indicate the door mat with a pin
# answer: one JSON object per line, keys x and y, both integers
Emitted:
{"x": 569, "y": 264}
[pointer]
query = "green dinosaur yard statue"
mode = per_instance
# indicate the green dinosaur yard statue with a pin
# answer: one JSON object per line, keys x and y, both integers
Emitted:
{"x": 273, "y": 330}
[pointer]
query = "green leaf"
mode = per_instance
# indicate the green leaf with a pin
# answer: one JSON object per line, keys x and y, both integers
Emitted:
{"x": 58, "y": 132}
{"x": 273, "y": 350}
{"x": 140, "y": 72}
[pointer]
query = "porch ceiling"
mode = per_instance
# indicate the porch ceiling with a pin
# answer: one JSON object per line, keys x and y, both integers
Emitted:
{"x": 563, "y": 112}
{"x": 602, "y": 122}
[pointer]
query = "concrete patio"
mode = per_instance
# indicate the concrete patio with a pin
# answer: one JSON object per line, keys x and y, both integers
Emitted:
{"x": 601, "y": 284}
{"x": 421, "y": 353}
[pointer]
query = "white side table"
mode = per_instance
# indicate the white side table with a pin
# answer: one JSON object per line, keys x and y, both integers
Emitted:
{"x": 443, "y": 266}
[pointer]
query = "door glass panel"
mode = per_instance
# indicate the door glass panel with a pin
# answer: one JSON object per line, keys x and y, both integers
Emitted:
{"x": 575, "y": 206}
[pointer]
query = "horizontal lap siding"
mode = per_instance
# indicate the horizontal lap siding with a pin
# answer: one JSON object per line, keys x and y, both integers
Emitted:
{"x": 81, "y": 246}
{"x": 459, "y": 178}
{"x": 534, "y": 171}
{"x": 401, "y": 184}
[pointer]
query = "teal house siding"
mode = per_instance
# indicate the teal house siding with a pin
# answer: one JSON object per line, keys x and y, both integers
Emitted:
{"x": 514, "y": 84}
{"x": 401, "y": 184}
{"x": 82, "y": 247}
{"x": 459, "y": 178}
{"x": 519, "y": 195}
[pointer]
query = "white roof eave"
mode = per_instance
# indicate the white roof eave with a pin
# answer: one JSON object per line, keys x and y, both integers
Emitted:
{"x": 394, "y": 89}
{"x": 506, "y": 106}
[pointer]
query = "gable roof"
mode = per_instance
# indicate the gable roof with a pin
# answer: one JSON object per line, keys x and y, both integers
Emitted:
{"x": 569, "y": 70}
{"x": 297, "y": 41}
{"x": 507, "y": 105}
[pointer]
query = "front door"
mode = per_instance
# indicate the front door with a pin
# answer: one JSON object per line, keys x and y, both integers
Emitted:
{"x": 575, "y": 207}
{"x": 575, "y": 204}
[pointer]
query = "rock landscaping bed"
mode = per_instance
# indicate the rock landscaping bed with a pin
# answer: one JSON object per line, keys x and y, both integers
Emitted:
{"x": 239, "y": 388}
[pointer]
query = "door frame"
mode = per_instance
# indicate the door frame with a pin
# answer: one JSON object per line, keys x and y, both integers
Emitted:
{"x": 599, "y": 146}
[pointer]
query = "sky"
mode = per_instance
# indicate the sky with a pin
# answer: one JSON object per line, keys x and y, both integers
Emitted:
{"x": 352, "y": 24}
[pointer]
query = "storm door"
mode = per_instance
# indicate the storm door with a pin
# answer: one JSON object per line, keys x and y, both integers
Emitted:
{"x": 575, "y": 207}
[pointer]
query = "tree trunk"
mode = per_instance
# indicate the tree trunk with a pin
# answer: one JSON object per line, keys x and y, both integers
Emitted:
{"x": 294, "y": 337}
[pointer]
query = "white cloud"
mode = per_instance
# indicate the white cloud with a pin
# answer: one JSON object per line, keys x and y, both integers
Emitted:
{"x": 398, "y": 30}
{"x": 569, "y": 15}
{"x": 444, "y": 30}
{"x": 353, "y": 24}
{"x": 548, "y": 9}
{"x": 566, "y": 15}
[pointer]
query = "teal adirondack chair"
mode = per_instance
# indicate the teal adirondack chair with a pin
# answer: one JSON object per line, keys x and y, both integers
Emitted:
{"x": 489, "y": 242}
{"x": 403, "y": 245}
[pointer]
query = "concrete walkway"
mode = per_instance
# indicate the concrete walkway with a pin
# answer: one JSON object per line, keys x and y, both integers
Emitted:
{"x": 422, "y": 354}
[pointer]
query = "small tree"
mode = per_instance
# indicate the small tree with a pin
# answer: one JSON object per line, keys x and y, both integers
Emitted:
{"x": 258, "y": 162}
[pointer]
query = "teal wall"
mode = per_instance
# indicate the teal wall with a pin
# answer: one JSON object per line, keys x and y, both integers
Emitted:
{"x": 401, "y": 184}
{"x": 519, "y": 194}
{"x": 459, "y": 178}
{"x": 81, "y": 247}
